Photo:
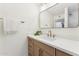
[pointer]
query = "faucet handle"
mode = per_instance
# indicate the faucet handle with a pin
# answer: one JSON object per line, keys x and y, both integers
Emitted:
{"x": 54, "y": 35}
{"x": 50, "y": 33}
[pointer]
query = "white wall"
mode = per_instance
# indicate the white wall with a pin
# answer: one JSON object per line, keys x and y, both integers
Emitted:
{"x": 46, "y": 20}
{"x": 16, "y": 44}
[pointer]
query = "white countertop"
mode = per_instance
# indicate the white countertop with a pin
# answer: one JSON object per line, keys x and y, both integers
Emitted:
{"x": 69, "y": 46}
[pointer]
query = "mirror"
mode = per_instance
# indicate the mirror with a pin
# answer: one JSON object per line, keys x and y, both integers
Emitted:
{"x": 60, "y": 15}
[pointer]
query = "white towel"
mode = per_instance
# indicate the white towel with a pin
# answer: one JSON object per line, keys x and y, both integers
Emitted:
{"x": 10, "y": 25}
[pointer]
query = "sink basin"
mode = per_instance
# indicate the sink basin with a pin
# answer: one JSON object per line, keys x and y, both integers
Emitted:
{"x": 45, "y": 37}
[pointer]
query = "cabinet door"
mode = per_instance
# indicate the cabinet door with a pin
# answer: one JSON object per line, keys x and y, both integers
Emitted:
{"x": 41, "y": 49}
{"x": 61, "y": 53}
{"x": 46, "y": 53}
{"x": 36, "y": 48}
{"x": 46, "y": 50}
{"x": 30, "y": 47}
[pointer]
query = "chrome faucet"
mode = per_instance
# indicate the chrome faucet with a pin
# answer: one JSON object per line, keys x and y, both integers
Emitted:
{"x": 54, "y": 35}
{"x": 49, "y": 33}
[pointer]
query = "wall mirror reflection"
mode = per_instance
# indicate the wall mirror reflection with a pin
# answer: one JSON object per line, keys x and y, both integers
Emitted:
{"x": 59, "y": 15}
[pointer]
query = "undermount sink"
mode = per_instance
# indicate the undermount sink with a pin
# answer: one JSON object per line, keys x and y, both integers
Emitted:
{"x": 46, "y": 37}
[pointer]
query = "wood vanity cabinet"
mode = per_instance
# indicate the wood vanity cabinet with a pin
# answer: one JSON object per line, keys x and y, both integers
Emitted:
{"x": 36, "y": 48}
{"x": 30, "y": 47}
{"x": 61, "y": 53}
{"x": 41, "y": 49}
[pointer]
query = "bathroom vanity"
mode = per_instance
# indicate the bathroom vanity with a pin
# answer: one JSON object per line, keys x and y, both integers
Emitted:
{"x": 41, "y": 47}
{"x": 37, "y": 48}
